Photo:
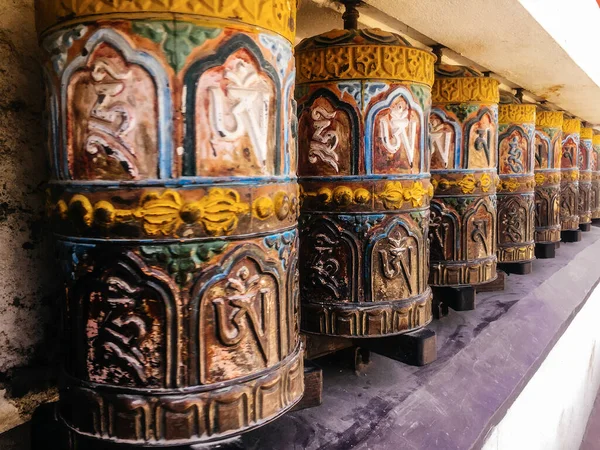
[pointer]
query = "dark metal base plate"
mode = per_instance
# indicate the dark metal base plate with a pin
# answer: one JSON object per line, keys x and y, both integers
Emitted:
{"x": 517, "y": 268}
{"x": 545, "y": 250}
{"x": 585, "y": 227}
{"x": 458, "y": 298}
{"x": 570, "y": 235}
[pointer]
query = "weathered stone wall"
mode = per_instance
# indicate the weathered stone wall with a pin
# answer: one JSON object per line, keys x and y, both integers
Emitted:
{"x": 28, "y": 287}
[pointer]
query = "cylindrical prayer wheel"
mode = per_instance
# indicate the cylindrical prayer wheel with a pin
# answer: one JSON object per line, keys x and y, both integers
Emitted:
{"x": 569, "y": 185}
{"x": 584, "y": 163}
{"x": 463, "y": 139}
{"x": 516, "y": 191}
{"x": 548, "y": 152}
{"x": 363, "y": 101}
{"x": 174, "y": 200}
{"x": 595, "y": 176}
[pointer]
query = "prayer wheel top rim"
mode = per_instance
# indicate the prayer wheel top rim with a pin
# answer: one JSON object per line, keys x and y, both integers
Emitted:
{"x": 586, "y": 133}
{"x": 549, "y": 119}
{"x": 512, "y": 111}
{"x": 571, "y": 126}
{"x": 463, "y": 84}
{"x": 278, "y": 16}
{"x": 368, "y": 53}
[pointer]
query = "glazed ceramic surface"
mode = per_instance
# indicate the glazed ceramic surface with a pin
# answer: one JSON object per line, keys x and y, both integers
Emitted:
{"x": 548, "y": 153}
{"x": 516, "y": 205}
{"x": 363, "y": 102}
{"x": 174, "y": 202}
{"x": 464, "y": 156}
{"x": 569, "y": 185}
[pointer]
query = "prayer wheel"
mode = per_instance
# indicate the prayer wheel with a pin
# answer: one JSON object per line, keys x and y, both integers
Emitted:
{"x": 174, "y": 200}
{"x": 363, "y": 101}
{"x": 464, "y": 154}
{"x": 516, "y": 191}
{"x": 584, "y": 162}
{"x": 595, "y": 177}
{"x": 569, "y": 185}
{"x": 548, "y": 152}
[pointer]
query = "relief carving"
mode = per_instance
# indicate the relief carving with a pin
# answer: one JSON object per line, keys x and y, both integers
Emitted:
{"x": 478, "y": 231}
{"x": 324, "y": 141}
{"x": 481, "y": 146}
{"x": 442, "y": 234}
{"x": 443, "y": 142}
{"x": 112, "y": 119}
{"x": 397, "y": 137}
{"x": 239, "y": 326}
{"x": 235, "y": 107}
{"x": 395, "y": 265}
{"x": 129, "y": 325}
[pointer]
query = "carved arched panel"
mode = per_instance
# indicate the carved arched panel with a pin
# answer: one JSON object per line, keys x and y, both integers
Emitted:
{"x": 395, "y": 135}
{"x": 116, "y": 113}
{"x": 583, "y": 159}
{"x": 445, "y": 140}
{"x": 479, "y": 234}
{"x": 234, "y": 111}
{"x": 444, "y": 233}
{"x": 396, "y": 264}
{"x": 569, "y": 201}
{"x": 543, "y": 156}
{"x": 513, "y": 220}
{"x": 130, "y": 319}
{"x": 481, "y": 140}
{"x": 514, "y": 145}
{"x": 327, "y": 136}
{"x": 328, "y": 263}
{"x": 570, "y": 149}
{"x": 242, "y": 313}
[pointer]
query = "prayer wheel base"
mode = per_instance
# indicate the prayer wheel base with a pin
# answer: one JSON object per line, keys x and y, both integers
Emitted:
{"x": 596, "y": 222}
{"x": 417, "y": 348}
{"x": 458, "y": 298}
{"x": 516, "y": 268}
{"x": 585, "y": 227}
{"x": 570, "y": 235}
{"x": 545, "y": 250}
{"x": 313, "y": 387}
{"x": 557, "y": 244}
{"x": 493, "y": 286}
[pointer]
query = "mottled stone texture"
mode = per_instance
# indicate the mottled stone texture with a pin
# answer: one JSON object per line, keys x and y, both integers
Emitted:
{"x": 27, "y": 283}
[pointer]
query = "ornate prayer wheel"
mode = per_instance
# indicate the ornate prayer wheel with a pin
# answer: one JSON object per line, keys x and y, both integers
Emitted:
{"x": 569, "y": 185}
{"x": 584, "y": 162}
{"x": 595, "y": 177}
{"x": 516, "y": 191}
{"x": 363, "y": 101}
{"x": 463, "y": 139}
{"x": 174, "y": 200}
{"x": 548, "y": 152}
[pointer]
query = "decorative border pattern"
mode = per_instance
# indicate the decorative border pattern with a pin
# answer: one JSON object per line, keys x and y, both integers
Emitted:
{"x": 513, "y": 184}
{"x": 278, "y": 16}
{"x": 543, "y": 235}
{"x": 393, "y": 195}
{"x": 516, "y": 254}
{"x": 468, "y": 89}
{"x": 569, "y": 175}
{"x": 457, "y": 273}
{"x": 467, "y": 184}
{"x": 257, "y": 401}
{"x": 571, "y": 126}
{"x": 369, "y": 319}
{"x": 162, "y": 213}
{"x": 542, "y": 178}
{"x": 516, "y": 114}
{"x": 365, "y": 62}
{"x": 549, "y": 119}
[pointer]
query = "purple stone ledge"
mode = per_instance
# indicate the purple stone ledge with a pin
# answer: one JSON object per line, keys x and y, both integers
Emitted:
{"x": 485, "y": 358}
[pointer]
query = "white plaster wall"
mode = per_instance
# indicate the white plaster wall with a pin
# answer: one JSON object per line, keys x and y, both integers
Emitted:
{"x": 552, "y": 411}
